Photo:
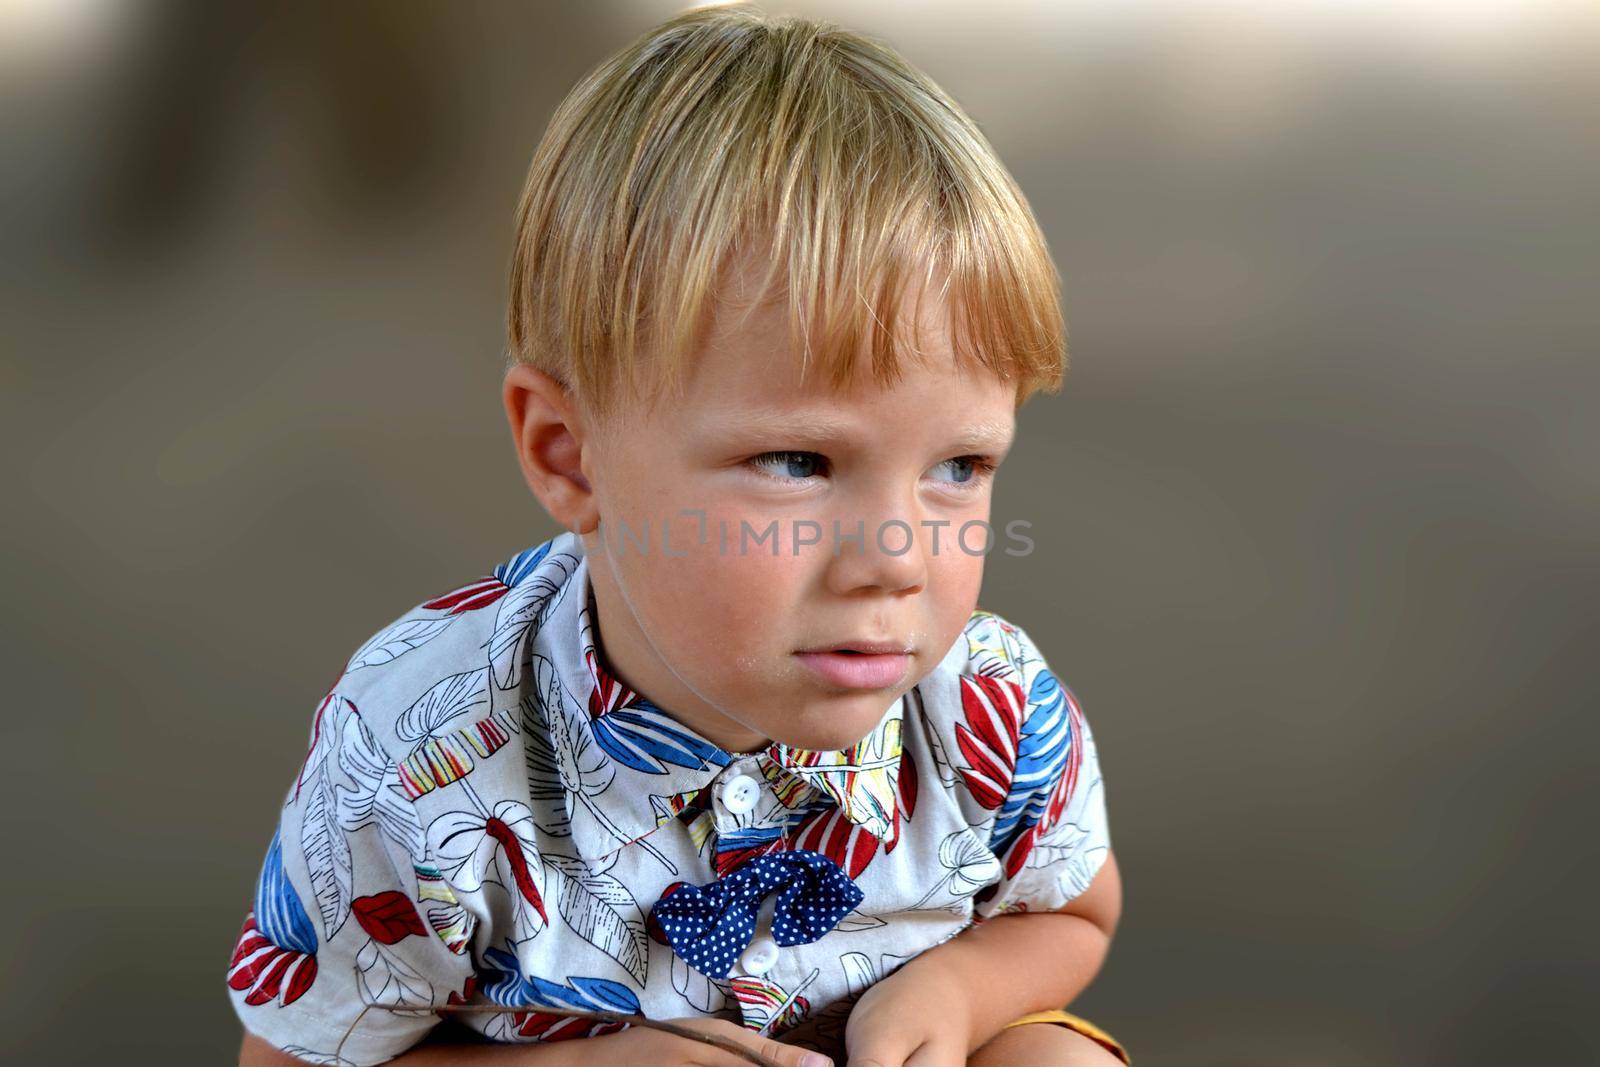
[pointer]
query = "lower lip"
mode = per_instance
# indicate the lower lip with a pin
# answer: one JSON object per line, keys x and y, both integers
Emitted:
{"x": 861, "y": 671}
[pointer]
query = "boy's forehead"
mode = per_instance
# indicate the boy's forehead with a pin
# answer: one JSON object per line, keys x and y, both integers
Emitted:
{"x": 747, "y": 379}
{"x": 750, "y": 361}
{"x": 744, "y": 364}
{"x": 746, "y": 340}
{"x": 974, "y": 430}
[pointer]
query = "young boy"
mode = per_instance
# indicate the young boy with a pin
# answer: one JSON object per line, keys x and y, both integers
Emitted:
{"x": 736, "y": 749}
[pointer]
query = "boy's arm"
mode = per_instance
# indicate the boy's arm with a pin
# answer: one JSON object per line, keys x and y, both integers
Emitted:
{"x": 257, "y": 1053}
{"x": 647, "y": 1045}
{"x": 1014, "y": 964}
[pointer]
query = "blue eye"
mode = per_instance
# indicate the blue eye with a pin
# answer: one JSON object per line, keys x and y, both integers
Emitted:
{"x": 967, "y": 470}
{"x": 797, "y": 465}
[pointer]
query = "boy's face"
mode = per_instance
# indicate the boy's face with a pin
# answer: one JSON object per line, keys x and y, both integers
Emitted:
{"x": 733, "y": 638}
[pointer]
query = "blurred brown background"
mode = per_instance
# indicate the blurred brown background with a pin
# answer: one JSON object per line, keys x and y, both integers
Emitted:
{"x": 1317, "y": 512}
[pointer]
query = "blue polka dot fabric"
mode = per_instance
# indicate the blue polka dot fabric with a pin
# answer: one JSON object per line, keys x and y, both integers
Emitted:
{"x": 710, "y": 925}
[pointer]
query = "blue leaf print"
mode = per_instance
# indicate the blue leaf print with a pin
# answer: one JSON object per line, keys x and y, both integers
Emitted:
{"x": 748, "y": 837}
{"x": 643, "y": 737}
{"x": 1042, "y": 753}
{"x": 505, "y": 984}
{"x": 280, "y": 916}
{"x": 588, "y": 994}
{"x": 518, "y": 567}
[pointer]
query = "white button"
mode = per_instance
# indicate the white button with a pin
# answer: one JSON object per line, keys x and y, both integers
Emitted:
{"x": 760, "y": 956}
{"x": 739, "y": 793}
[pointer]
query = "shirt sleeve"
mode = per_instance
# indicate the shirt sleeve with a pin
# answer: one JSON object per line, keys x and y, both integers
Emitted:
{"x": 338, "y": 946}
{"x": 1027, "y": 759}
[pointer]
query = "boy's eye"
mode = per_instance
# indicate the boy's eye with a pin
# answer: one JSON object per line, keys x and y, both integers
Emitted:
{"x": 969, "y": 472}
{"x": 966, "y": 470}
{"x": 799, "y": 465}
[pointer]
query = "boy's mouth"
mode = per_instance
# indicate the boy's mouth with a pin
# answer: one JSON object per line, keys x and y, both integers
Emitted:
{"x": 859, "y": 664}
{"x": 861, "y": 648}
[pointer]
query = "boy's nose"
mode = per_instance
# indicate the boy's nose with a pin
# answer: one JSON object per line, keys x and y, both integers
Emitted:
{"x": 886, "y": 554}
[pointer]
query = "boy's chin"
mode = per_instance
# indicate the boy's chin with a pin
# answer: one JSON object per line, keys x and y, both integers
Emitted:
{"x": 830, "y": 728}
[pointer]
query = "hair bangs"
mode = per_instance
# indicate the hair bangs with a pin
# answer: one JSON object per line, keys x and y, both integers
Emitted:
{"x": 857, "y": 187}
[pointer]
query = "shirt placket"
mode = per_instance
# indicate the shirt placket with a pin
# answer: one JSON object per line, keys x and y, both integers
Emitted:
{"x": 743, "y": 802}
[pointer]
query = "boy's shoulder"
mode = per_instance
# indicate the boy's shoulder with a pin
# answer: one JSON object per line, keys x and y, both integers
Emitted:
{"x": 1000, "y": 721}
{"x": 999, "y": 648}
{"x": 454, "y": 657}
{"x": 993, "y": 653}
{"x": 995, "y": 686}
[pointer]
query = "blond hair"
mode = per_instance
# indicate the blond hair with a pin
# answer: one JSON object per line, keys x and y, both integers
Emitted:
{"x": 725, "y": 127}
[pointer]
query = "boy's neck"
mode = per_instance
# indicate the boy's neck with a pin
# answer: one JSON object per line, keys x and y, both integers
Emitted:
{"x": 626, "y": 655}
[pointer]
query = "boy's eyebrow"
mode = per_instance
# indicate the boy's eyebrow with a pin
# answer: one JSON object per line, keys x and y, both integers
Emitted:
{"x": 989, "y": 435}
{"x": 993, "y": 435}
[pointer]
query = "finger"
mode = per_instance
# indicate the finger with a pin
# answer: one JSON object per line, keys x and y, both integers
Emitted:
{"x": 790, "y": 1055}
{"x": 933, "y": 1054}
{"x": 877, "y": 1052}
{"x": 684, "y": 1051}
{"x": 768, "y": 1050}
{"x": 772, "y": 1051}
{"x": 693, "y": 1052}
{"x": 711, "y": 1056}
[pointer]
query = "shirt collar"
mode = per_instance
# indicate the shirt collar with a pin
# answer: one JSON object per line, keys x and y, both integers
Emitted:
{"x": 626, "y": 767}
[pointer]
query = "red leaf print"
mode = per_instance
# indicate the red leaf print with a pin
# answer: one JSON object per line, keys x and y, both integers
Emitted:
{"x": 608, "y": 693}
{"x": 470, "y": 597}
{"x": 547, "y": 1027}
{"x": 993, "y": 708}
{"x": 519, "y": 863}
{"x": 464, "y": 997}
{"x": 726, "y": 861}
{"x": 1018, "y": 853}
{"x": 300, "y": 979}
{"x": 906, "y": 798}
{"x": 264, "y": 971}
{"x": 850, "y": 846}
{"x": 388, "y": 917}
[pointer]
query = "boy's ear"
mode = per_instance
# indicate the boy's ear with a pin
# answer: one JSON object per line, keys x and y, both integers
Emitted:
{"x": 551, "y": 437}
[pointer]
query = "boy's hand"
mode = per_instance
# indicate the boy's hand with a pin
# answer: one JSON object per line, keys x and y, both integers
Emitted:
{"x": 645, "y": 1045}
{"x": 916, "y": 1017}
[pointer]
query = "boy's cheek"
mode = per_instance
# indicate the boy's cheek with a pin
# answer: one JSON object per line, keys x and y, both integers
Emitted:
{"x": 956, "y": 574}
{"x": 740, "y": 591}
{"x": 696, "y": 580}
{"x": 955, "y": 581}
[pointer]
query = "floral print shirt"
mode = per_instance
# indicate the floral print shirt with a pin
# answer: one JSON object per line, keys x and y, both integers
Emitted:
{"x": 486, "y": 816}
